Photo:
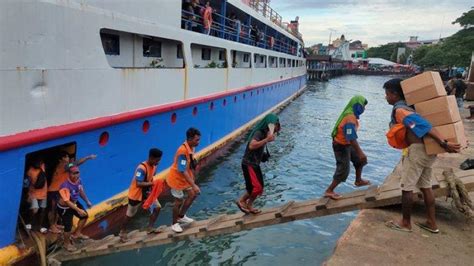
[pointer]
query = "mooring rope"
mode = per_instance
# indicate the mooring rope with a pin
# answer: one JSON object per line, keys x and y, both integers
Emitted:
{"x": 459, "y": 194}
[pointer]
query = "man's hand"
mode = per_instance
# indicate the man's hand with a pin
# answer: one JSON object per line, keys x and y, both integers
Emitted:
{"x": 81, "y": 212}
{"x": 452, "y": 147}
{"x": 270, "y": 137}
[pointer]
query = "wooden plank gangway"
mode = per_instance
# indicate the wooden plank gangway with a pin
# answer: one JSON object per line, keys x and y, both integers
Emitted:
{"x": 375, "y": 196}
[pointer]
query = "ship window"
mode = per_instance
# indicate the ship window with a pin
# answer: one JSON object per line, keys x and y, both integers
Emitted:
{"x": 260, "y": 61}
{"x": 110, "y": 43}
{"x": 222, "y": 55}
{"x": 240, "y": 59}
{"x": 206, "y": 54}
{"x": 288, "y": 62}
{"x": 179, "y": 51}
{"x": 151, "y": 48}
{"x": 273, "y": 62}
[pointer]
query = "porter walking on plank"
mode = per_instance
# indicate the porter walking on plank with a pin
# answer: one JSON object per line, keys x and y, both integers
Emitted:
{"x": 255, "y": 153}
{"x": 141, "y": 184}
{"x": 416, "y": 163}
{"x": 346, "y": 147}
{"x": 181, "y": 179}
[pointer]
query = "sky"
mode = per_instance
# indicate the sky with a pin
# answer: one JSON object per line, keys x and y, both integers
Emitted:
{"x": 374, "y": 22}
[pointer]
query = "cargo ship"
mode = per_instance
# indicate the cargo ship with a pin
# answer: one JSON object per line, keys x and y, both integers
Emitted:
{"x": 117, "y": 78}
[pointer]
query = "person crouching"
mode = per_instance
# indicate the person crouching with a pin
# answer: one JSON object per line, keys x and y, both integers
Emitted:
{"x": 69, "y": 206}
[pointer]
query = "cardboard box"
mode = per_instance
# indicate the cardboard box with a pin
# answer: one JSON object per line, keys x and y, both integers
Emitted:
{"x": 469, "y": 91}
{"x": 451, "y": 132}
{"x": 439, "y": 111}
{"x": 423, "y": 87}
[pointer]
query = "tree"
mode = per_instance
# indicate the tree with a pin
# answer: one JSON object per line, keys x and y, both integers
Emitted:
{"x": 466, "y": 19}
{"x": 455, "y": 50}
{"x": 384, "y": 51}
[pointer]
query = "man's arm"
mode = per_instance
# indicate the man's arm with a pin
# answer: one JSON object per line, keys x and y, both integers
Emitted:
{"x": 255, "y": 144}
{"x": 83, "y": 195}
{"x": 84, "y": 159}
{"x": 448, "y": 146}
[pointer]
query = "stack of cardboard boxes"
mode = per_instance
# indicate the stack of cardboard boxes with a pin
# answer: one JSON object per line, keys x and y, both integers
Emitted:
{"x": 426, "y": 92}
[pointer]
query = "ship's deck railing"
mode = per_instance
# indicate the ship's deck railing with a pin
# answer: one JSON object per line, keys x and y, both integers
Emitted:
{"x": 223, "y": 27}
{"x": 263, "y": 8}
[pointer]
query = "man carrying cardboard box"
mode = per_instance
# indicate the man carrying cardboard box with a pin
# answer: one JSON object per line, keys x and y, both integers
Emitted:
{"x": 407, "y": 129}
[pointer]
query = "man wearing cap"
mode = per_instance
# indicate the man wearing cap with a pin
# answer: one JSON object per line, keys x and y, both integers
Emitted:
{"x": 69, "y": 206}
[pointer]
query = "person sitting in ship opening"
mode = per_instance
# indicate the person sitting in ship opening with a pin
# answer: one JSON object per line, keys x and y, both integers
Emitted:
{"x": 181, "y": 179}
{"x": 60, "y": 175}
{"x": 142, "y": 182}
{"x": 407, "y": 129}
{"x": 69, "y": 206}
{"x": 255, "y": 153}
{"x": 346, "y": 147}
{"x": 37, "y": 192}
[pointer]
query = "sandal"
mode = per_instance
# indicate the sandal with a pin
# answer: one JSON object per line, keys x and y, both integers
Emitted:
{"x": 255, "y": 211}
{"x": 394, "y": 226}
{"x": 80, "y": 237}
{"x": 242, "y": 208}
{"x": 362, "y": 183}
{"x": 427, "y": 228}
{"x": 333, "y": 196}
{"x": 152, "y": 230}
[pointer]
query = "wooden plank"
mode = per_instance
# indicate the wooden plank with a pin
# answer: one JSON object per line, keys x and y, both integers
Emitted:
{"x": 224, "y": 224}
{"x": 283, "y": 209}
{"x": 371, "y": 193}
{"x": 322, "y": 203}
{"x": 211, "y": 222}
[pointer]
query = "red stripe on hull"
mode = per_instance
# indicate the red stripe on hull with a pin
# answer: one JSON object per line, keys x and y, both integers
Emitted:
{"x": 38, "y": 135}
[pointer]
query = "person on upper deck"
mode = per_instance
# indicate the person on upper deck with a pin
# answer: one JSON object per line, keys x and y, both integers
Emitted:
{"x": 37, "y": 193}
{"x": 255, "y": 153}
{"x": 181, "y": 179}
{"x": 60, "y": 175}
{"x": 140, "y": 186}
{"x": 407, "y": 129}
{"x": 69, "y": 206}
{"x": 207, "y": 18}
{"x": 346, "y": 147}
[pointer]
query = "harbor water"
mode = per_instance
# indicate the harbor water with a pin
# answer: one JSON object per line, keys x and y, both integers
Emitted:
{"x": 300, "y": 168}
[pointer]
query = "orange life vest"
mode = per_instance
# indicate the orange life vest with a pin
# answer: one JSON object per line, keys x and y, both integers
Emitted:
{"x": 36, "y": 193}
{"x": 175, "y": 178}
{"x": 135, "y": 192}
{"x": 340, "y": 137}
{"x": 60, "y": 176}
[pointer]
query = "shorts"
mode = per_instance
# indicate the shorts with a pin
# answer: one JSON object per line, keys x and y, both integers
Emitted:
{"x": 253, "y": 179}
{"x": 344, "y": 154}
{"x": 67, "y": 214}
{"x": 134, "y": 205}
{"x": 416, "y": 168}
{"x": 179, "y": 194}
{"x": 38, "y": 203}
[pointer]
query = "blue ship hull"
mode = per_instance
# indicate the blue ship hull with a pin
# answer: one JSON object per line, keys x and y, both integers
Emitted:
{"x": 128, "y": 144}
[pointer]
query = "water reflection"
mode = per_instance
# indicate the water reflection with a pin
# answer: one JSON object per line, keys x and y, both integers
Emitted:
{"x": 300, "y": 168}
